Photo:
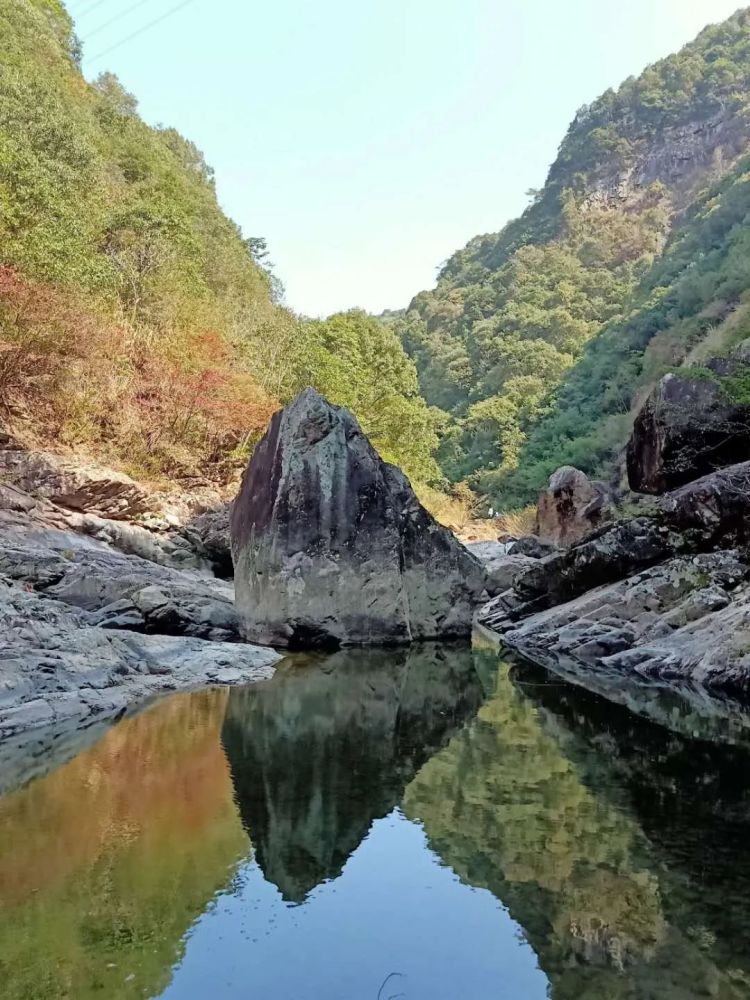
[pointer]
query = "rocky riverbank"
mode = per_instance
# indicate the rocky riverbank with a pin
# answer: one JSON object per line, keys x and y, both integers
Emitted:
{"x": 100, "y": 613}
{"x": 106, "y": 599}
{"x": 662, "y": 594}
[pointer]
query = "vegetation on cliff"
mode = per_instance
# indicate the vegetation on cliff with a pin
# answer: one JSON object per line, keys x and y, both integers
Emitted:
{"x": 693, "y": 303}
{"x": 136, "y": 320}
{"x": 564, "y": 295}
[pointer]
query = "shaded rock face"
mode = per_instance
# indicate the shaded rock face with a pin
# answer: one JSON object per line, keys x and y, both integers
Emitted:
{"x": 331, "y": 546}
{"x": 687, "y": 428}
{"x": 208, "y": 533}
{"x": 571, "y": 507}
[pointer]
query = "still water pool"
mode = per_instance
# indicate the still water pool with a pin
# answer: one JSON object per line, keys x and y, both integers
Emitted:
{"x": 432, "y": 824}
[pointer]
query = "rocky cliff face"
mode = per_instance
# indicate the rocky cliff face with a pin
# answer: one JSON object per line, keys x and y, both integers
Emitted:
{"x": 332, "y": 547}
{"x": 681, "y": 157}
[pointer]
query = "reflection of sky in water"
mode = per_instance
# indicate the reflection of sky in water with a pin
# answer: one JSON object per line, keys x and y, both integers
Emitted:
{"x": 395, "y": 908}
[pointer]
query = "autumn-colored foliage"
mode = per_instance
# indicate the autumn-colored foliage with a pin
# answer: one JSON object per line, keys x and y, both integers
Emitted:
{"x": 73, "y": 374}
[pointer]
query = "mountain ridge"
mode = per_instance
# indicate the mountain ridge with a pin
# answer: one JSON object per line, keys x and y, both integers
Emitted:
{"x": 514, "y": 313}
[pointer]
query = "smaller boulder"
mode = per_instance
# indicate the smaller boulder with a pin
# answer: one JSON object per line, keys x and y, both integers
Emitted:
{"x": 531, "y": 546}
{"x": 502, "y": 567}
{"x": 571, "y": 507}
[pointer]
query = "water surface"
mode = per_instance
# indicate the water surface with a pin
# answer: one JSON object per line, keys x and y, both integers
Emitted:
{"x": 431, "y": 824}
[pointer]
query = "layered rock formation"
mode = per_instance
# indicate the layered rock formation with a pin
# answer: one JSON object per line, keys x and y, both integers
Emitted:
{"x": 331, "y": 546}
{"x": 88, "y": 629}
{"x": 665, "y": 596}
{"x": 77, "y": 487}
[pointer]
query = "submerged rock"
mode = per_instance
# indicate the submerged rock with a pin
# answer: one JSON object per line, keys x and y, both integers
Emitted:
{"x": 571, "y": 507}
{"x": 688, "y": 427}
{"x": 331, "y": 546}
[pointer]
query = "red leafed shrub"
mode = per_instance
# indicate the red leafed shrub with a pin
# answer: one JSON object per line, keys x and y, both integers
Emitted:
{"x": 48, "y": 340}
{"x": 73, "y": 375}
{"x": 213, "y": 409}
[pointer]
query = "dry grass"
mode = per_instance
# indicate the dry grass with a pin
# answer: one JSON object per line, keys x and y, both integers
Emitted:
{"x": 459, "y": 511}
{"x": 455, "y": 510}
{"x": 517, "y": 522}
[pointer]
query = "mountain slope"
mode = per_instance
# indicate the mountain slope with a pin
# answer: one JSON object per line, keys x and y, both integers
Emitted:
{"x": 136, "y": 320}
{"x": 514, "y": 312}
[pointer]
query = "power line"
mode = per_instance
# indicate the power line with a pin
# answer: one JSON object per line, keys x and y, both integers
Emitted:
{"x": 88, "y": 9}
{"x": 141, "y": 31}
{"x": 117, "y": 17}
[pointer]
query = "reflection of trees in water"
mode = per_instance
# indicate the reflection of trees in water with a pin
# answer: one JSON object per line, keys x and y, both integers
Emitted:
{"x": 319, "y": 752}
{"x": 519, "y": 804}
{"x": 618, "y": 846}
{"x": 690, "y": 798}
{"x": 106, "y": 862}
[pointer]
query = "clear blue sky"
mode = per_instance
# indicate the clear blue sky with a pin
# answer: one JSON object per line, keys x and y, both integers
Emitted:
{"x": 368, "y": 139}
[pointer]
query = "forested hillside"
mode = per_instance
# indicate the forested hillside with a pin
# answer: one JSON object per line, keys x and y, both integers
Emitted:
{"x": 533, "y": 340}
{"x": 137, "y": 323}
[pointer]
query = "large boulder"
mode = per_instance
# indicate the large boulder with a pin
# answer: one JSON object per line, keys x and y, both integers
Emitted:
{"x": 331, "y": 546}
{"x": 688, "y": 427}
{"x": 571, "y": 507}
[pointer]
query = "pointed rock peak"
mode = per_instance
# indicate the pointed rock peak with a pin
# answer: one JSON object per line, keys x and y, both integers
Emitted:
{"x": 331, "y": 545}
